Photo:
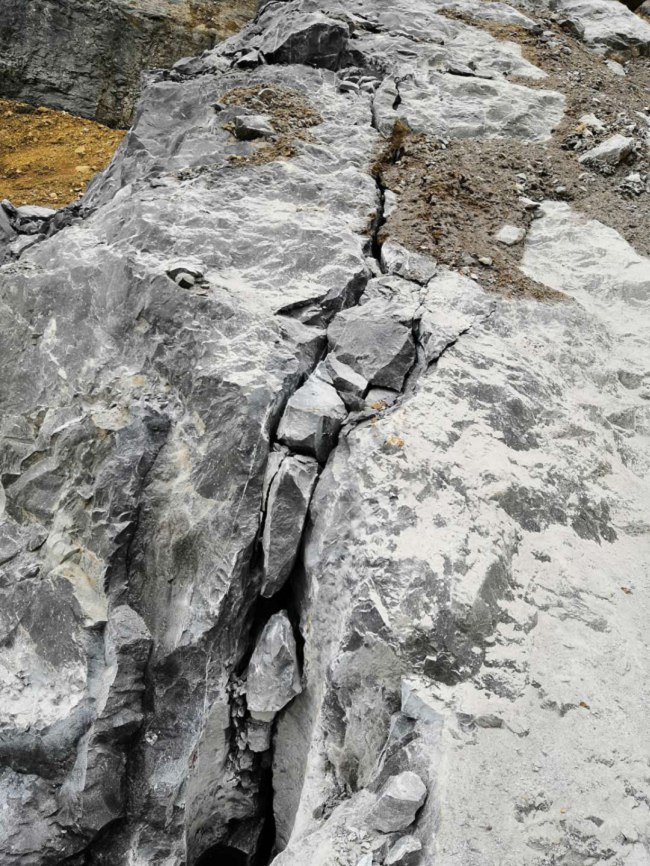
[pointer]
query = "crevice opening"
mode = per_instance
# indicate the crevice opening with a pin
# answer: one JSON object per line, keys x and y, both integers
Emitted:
{"x": 222, "y": 855}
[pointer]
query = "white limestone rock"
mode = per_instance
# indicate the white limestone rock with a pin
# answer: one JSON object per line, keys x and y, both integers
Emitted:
{"x": 606, "y": 24}
{"x": 510, "y": 235}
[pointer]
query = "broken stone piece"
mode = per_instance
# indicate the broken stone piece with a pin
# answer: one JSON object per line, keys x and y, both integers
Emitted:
{"x": 510, "y": 235}
{"x": 350, "y": 384}
{"x": 273, "y": 678}
{"x": 258, "y": 736}
{"x": 405, "y": 852}
{"x": 312, "y": 419}
{"x": 398, "y": 803}
{"x": 397, "y": 260}
{"x": 34, "y": 212}
{"x": 374, "y": 342}
{"x": 184, "y": 274}
{"x": 286, "y": 511}
{"x": 248, "y": 127}
{"x": 609, "y": 154}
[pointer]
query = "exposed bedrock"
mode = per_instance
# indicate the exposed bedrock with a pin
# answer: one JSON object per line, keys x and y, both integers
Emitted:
{"x": 313, "y": 550}
{"x": 88, "y": 56}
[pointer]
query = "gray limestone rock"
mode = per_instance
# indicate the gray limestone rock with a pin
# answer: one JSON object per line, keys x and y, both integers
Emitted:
{"x": 405, "y": 852}
{"x": 398, "y": 803}
{"x": 286, "y": 511}
{"x": 273, "y": 678}
{"x": 312, "y": 419}
{"x": 375, "y": 342}
{"x": 87, "y": 56}
{"x": 397, "y": 260}
{"x": 606, "y": 156}
{"x": 606, "y": 24}
{"x": 249, "y": 127}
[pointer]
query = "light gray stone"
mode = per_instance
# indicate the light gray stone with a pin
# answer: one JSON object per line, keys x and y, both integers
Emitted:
{"x": 609, "y": 154}
{"x": 510, "y": 235}
{"x": 28, "y": 212}
{"x": 396, "y": 259}
{"x": 273, "y": 678}
{"x": 606, "y": 24}
{"x": 398, "y": 803}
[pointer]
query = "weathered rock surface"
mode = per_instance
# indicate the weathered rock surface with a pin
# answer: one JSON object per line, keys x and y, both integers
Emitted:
{"x": 87, "y": 56}
{"x": 223, "y": 376}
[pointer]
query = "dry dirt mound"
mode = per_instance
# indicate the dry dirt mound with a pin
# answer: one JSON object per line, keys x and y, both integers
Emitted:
{"x": 47, "y": 157}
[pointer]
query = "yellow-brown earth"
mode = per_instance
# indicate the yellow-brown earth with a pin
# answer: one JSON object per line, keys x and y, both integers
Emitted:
{"x": 47, "y": 157}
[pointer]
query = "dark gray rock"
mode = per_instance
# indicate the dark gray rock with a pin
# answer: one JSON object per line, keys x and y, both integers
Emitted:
{"x": 273, "y": 678}
{"x": 286, "y": 511}
{"x": 374, "y": 343}
{"x": 248, "y": 127}
{"x": 312, "y": 420}
{"x": 87, "y": 56}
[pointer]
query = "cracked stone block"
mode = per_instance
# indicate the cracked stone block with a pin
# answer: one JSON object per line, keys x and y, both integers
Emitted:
{"x": 288, "y": 501}
{"x": 251, "y": 126}
{"x": 397, "y": 260}
{"x": 609, "y": 154}
{"x": 398, "y": 803}
{"x": 405, "y": 852}
{"x": 312, "y": 419}
{"x": 373, "y": 341}
{"x": 273, "y": 678}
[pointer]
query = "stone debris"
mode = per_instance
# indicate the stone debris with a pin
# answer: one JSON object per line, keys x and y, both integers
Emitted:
{"x": 510, "y": 235}
{"x": 312, "y": 419}
{"x": 398, "y": 803}
{"x": 273, "y": 678}
{"x": 606, "y": 156}
{"x": 287, "y": 505}
{"x": 406, "y": 851}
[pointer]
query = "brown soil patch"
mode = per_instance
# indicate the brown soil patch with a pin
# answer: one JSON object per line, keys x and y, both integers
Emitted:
{"x": 454, "y": 196}
{"x": 225, "y": 19}
{"x": 47, "y": 157}
{"x": 289, "y": 111}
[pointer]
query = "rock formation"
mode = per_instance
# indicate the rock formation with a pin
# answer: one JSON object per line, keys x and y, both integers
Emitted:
{"x": 325, "y": 515}
{"x": 87, "y": 56}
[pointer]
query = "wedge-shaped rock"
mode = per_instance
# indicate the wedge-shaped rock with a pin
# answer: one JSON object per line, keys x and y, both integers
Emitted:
{"x": 405, "y": 852}
{"x": 312, "y": 419}
{"x": 398, "y": 803}
{"x": 287, "y": 505}
{"x": 609, "y": 154}
{"x": 350, "y": 385}
{"x": 273, "y": 676}
{"x": 374, "y": 342}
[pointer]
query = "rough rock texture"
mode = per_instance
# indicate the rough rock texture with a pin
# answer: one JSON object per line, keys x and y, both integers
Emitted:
{"x": 87, "y": 56}
{"x": 222, "y": 372}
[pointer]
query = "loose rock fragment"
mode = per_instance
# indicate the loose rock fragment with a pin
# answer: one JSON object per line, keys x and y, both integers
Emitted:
{"x": 609, "y": 154}
{"x": 398, "y": 803}
{"x": 405, "y": 852}
{"x": 373, "y": 341}
{"x": 251, "y": 126}
{"x": 273, "y": 676}
{"x": 287, "y": 505}
{"x": 350, "y": 384}
{"x": 510, "y": 235}
{"x": 397, "y": 260}
{"x": 312, "y": 419}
